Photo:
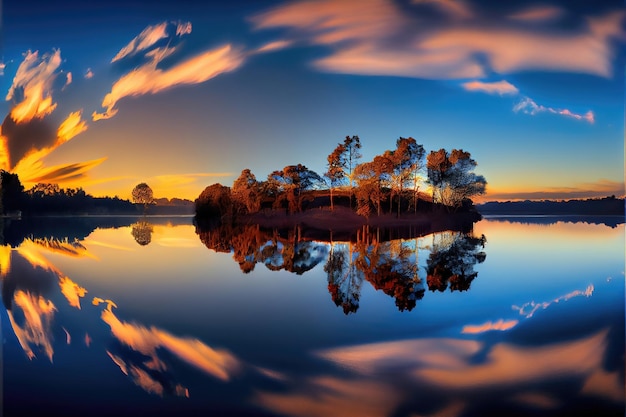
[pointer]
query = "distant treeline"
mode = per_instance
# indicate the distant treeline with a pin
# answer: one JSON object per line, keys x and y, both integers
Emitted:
{"x": 50, "y": 199}
{"x": 600, "y": 206}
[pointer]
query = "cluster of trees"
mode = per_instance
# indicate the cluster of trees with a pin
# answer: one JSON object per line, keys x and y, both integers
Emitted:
{"x": 392, "y": 178}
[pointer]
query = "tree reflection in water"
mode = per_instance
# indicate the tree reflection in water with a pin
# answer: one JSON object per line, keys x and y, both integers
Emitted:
{"x": 451, "y": 262}
{"x": 390, "y": 266}
{"x": 142, "y": 232}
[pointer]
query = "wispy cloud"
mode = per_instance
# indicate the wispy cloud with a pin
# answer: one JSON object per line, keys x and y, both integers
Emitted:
{"x": 89, "y": 74}
{"x": 36, "y": 172}
{"x": 147, "y": 38}
{"x": 538, "y": 14}
{"x": 497, "y": 87}
{"x": 149, "y": 78}
{"x": 376, "y": 38}
{"x": 274, "y": 46}
{"x": 529, "y": 106}
{"x": 501, "y": 325}
{"x": 530, "y": 308}
{"x": 148, "y": 341}
{"x": 454, "y": 8}
{"x": 68, "y": 80}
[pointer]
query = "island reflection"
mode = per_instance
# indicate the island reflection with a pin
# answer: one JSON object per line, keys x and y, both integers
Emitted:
{"x": 391, "y": 266}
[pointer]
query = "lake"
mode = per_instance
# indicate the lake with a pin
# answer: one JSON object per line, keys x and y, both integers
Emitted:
{"x": 118, "y": 316}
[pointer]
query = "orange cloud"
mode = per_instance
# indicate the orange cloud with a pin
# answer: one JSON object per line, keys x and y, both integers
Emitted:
{"x": 148, "y": 79}
{"x": 70, "y": 127}
{"x": 32, "y": 85}
{"x": 374, "y": 357}
{"x": 72, "y": 291}
{"x": 507, "y": 364}
{"x": 499, "y": 87}
{"x": 329, "y": 396}
{"x": 274, "y": 46}
{"x": 147, "y": 38}
{"x": 218, "y": 363}
{"x": 27, "y": 134}
{"x": 500, "y": 325}
{"x": 33, "y": 172}
{"x": 144, "y": 380}
{"x": 5, "y": 260}
{"x": 538, "y": 13}
{"x": 38, "y": 313}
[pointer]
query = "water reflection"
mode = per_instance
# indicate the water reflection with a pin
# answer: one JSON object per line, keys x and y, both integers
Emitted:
{"x": 501, "y": 353}
{"x": 390, "y": 266}
{"x": 451, "y": 262}
{"x": 142, "y": 232}
{"x": 28, "y": 289}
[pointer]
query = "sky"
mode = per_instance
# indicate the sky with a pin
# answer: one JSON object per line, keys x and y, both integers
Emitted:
{"x": 183, "y": 94}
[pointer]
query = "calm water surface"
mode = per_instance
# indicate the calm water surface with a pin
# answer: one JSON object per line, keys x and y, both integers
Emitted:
{"x": 523, "y": 316}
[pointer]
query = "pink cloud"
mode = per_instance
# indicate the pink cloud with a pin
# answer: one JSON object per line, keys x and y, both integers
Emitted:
{"x": 500, "y": 325}
{"x": 454, "y": 8}
{"x": 499, "y": 87}
{"x": 375, "y": 37}
{"x": 538, "y": 13}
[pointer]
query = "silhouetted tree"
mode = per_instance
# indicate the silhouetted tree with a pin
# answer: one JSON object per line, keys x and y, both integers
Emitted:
{"x": 372, "y": 179}
{"x": 214, "y": 202}
{"x": 336, "y": 169}
{"x": 352, "y": 154}
{"x": 408, "y": 160}
{"x": 142, "y": 194}
{"x": 290, "y": 183}
{"x": 13, "y": 196}
{"x": 246, "y": 193}
{"x": 42, "y": 189}
{"x": 452, "y": 178}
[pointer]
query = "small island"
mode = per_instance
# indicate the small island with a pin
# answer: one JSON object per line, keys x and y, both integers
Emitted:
{"x": 383, "y": 193}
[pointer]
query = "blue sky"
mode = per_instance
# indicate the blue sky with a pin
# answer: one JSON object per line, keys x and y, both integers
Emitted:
{"x": 185, "y": 94}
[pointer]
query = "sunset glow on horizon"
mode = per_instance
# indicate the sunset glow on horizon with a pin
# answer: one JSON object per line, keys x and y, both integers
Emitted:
{"x": 185, "y": 95}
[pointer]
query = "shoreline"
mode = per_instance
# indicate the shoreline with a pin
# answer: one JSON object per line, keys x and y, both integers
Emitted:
{"x": 343, "y": 223}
